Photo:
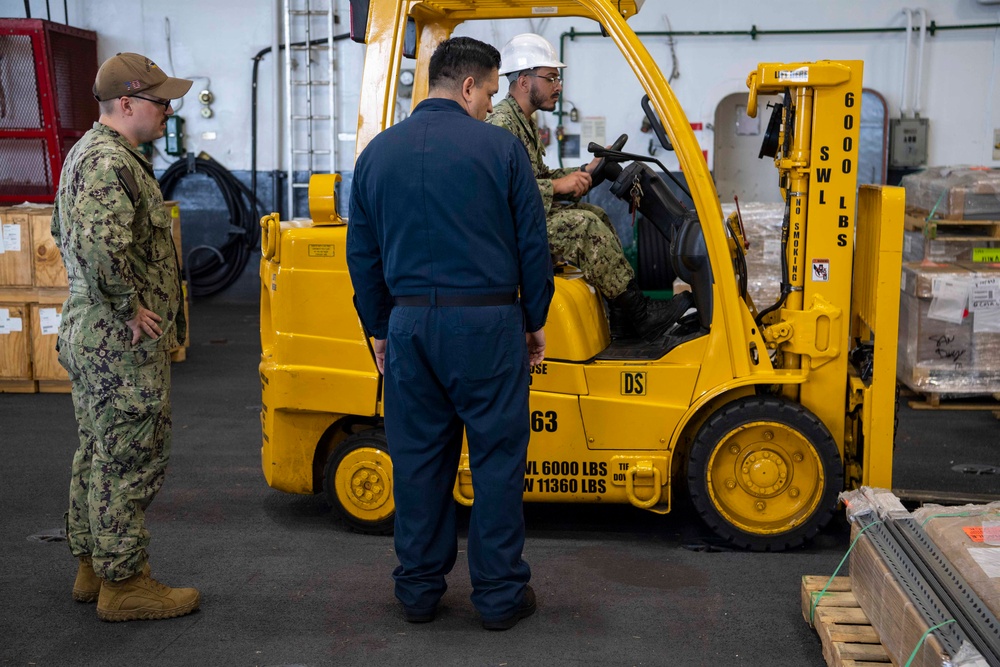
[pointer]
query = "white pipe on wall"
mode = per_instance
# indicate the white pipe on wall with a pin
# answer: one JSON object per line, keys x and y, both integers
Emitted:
{"x": 276, "y": 90}
{"x": 904, "y": 97}
{"x": 920, "y": 60}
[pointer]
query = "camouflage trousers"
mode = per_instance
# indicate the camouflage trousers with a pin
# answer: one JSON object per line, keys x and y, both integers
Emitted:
{"x": 585, "y": 237}
{"x": 121, "y": 400}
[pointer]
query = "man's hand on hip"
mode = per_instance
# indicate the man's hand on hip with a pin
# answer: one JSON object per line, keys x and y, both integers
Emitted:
{"x": 145, "y": 322}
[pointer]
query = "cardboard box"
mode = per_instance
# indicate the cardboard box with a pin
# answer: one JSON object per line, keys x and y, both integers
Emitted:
{"x": 15, "y": 247}
{"x": 47, "y": 263}
{"x": 986, "y": 318}
{"x": 917, "y": 248}
{"x": 45, "y": 320}
{"x": 939, "y": 356}
{"x": 969, "y": 536}
{"x": 15, "y": 341}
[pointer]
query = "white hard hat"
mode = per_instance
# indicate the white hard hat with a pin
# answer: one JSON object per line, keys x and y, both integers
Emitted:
{"x": 527, "y": 51}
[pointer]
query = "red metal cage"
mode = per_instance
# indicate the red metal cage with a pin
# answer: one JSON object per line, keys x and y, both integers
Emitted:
{"x": 47, "y": 71}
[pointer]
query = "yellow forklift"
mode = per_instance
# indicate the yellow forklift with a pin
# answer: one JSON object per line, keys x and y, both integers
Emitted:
{"x": 761, "y": 413}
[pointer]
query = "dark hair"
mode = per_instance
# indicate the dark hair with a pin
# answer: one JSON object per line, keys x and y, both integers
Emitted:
{"x": 457, "y": 58}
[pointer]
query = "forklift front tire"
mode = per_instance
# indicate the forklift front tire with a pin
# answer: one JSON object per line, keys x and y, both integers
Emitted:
{"x": 764, "y": 473}
{"x": 358, "y": 483}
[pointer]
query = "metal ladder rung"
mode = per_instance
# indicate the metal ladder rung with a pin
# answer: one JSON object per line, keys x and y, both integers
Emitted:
{"x": 311, "y": 104}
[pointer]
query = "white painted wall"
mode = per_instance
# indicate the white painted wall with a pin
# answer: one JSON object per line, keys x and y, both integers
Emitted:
{"x": 218, "y": 38}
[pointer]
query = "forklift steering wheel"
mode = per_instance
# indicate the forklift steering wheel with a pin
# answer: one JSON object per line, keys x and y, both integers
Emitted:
{"x": 597, "y": 176}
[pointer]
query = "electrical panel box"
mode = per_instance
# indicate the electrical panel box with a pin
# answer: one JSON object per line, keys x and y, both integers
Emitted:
{"x": 907, "y": 142}
{"x": 175, "y": 135}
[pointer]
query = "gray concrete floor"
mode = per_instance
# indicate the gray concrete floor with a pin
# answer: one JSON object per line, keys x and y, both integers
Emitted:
{"x": 284, "y": 583}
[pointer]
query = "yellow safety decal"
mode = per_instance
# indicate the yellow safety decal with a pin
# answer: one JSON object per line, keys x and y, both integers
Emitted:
{"x": 321, "y": 249}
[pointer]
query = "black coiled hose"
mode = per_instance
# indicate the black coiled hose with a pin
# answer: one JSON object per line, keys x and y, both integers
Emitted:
{"x": 224, "y": 264}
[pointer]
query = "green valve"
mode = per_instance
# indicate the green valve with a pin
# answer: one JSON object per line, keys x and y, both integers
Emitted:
{"x": 175, "y": 135}
{"x": 987, "y": 255}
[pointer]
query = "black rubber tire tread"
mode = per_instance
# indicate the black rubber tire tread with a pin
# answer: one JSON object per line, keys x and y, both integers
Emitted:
{"x": 777, "y": 410}
{"x": 370, "y": 438}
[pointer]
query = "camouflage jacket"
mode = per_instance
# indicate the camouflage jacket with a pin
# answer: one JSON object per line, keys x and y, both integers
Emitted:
{"x": 114, "y": 235}
{"x": 508, "y": 115}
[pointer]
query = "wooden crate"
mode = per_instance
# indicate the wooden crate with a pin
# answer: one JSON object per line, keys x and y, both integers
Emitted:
{"x": 45, "y": 320}
{"x": 47, "y": 263}
{"x": 15, "y": 260}
{"x": 847, "y": 636}
{"x": 15, "y": 341}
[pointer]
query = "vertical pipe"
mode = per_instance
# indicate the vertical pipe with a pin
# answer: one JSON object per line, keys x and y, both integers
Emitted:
{"x": 65, "y": 13}
{"x": 27, "y": 9}
{"x": 920, "y": 61}
{"x": 289, "y": 154}
{"x": 276, "y": 108}
{"x": 48, "y": 11}
{"x": 332, "y": 61}
{"x": 904, "y": 97}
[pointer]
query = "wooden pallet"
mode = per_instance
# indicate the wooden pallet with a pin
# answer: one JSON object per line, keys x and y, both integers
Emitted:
{"x": 847, "y": 636}
{"x": 948, "y": 229}
{"x": 918, "y": 400}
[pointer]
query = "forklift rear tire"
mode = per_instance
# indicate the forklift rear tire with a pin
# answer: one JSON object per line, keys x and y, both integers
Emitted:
{"x": 358, "y": 483}
{"x": 764, "y": 473}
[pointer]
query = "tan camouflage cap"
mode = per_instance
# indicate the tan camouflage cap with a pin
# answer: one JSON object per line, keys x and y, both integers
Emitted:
{"x": 129, "y": 73}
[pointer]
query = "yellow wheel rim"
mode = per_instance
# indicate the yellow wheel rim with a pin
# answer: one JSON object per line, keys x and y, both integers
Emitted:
{"x": 364, "y": 484}
{"x": 765, "y": 478}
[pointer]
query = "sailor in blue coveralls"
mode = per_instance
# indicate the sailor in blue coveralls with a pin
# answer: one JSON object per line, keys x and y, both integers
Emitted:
{"x": 449, "y": 258}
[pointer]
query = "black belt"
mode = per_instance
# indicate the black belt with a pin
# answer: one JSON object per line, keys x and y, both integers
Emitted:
{"x": 456, "y": 300}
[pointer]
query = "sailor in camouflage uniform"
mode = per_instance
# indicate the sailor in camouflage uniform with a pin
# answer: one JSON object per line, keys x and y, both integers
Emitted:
{"x": 123, "y": 315}
{"x": 582, "y": 233}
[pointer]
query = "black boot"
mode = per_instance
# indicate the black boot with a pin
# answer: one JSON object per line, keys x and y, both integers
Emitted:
{"x": 631, "y": 315}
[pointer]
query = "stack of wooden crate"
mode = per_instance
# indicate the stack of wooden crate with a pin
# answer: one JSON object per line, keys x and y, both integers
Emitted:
{"x": 33, "y": 288}
{"x": 32, "y": 291}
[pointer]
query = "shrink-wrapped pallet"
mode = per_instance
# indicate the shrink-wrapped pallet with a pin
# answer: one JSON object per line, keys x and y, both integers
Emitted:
{"x": 957, "y": 193}
{"x": 762, "y": 224}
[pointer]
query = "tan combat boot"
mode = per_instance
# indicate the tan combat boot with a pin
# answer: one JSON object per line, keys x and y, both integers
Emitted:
{"x": 140, "y": 597}
{"x": 87, "y": 586}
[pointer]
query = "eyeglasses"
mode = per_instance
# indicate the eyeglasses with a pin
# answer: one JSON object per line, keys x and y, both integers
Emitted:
{"x": 553, "y": 79}
{"x": 163, "y": 103}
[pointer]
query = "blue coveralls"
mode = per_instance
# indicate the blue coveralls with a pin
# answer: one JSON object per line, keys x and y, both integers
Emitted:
{"x": 444, "y": 205}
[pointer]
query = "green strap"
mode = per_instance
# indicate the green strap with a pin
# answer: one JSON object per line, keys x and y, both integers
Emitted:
{"x": 923, "y": 638}
{"x": 817, "y": 596}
